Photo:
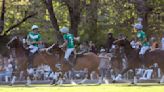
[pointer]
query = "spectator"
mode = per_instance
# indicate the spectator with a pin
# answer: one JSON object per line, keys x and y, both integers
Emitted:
{"x": 92, "y": 47}
{"x": 109, "y": 43}
{"x": 153, "y": 43}
{"x": 84, "y": 47}
{"x": 1, "y": 63}
{"x": 162, "y": 42}
{"x": 8, "y": 71}
{"x": 147, "y": 74}
{"x": 103, "y": 66}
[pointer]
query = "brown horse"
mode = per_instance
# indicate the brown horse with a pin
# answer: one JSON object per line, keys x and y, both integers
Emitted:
{"x": 134, "y": 60}
{"x": 22, "y": 58}
{"x": 88, "y": 60}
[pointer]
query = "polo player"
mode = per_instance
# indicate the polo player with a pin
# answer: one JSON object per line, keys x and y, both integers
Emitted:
{"x": 33, "y": 40}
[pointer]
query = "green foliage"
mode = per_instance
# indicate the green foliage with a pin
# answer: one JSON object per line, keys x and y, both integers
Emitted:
{"x": 116, "y": 16}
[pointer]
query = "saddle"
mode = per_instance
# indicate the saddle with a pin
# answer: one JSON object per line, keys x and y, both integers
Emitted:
{"x": 73, "y": 57}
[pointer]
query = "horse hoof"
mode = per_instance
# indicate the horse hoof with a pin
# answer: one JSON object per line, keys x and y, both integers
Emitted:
{"x": 55, "y": 84}
{"x": 114, "y": 81}
{"x": 98, "y": 83}
{"x": 27, "y": 85}
{"x": 10, "y": 84}
{"x": 133, "y": 83}
{"x": 79, "y": 83}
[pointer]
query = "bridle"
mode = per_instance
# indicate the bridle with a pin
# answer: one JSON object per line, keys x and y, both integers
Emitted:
{"x": 7, "y": 45}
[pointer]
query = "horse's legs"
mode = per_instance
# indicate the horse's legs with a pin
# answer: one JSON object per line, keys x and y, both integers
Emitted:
{"x": 134, "y": 77}
{"x": 57, "y": 79}
{"x": 12, "y": 80}
{"x": 84, "y": 80}
{"x": 162, "y": 79}
{"x": 120, "y": 75}
{"x": 28, "y": 81}
{"x": 29, "y": 75}
{"x": 102, "y": 72}
{"x": 73, "y": 82}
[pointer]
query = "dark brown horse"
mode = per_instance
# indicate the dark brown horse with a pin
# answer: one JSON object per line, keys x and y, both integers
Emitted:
{"x": 88, "y": 60}
{"x": 134, "y": 61}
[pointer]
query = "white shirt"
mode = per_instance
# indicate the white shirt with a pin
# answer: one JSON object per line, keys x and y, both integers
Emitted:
{"x": 9, "y": 68}
{"x": 162, "y": 42}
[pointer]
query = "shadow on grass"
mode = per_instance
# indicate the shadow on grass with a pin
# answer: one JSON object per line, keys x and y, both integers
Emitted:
{"x": 43, "y": 85}
{"x": 143, "y": 85}
{"x": 78, "y": 85}
{"x": 89, "y": 85}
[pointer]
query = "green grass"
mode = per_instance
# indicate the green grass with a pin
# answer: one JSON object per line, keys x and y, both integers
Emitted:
{"x": 84, "y": 88}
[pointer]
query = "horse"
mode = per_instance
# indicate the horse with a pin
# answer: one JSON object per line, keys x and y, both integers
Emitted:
{"x": 134, "y": 60}
{"x": 88, "y": 60}
{"x": 21, "y": 53}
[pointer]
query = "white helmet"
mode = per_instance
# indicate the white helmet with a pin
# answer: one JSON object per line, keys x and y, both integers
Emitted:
{"x": 34, "y": 27}
{"x": 64, "y": 30}
{"x": 138, "y": 26}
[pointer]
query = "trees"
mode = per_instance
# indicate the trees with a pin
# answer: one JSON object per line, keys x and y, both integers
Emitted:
{"x": 4, "y": 38}
{"x": 90, "y": 19}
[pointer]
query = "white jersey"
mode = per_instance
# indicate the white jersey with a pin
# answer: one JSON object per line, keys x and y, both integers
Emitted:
{"x": 9, "y": 68}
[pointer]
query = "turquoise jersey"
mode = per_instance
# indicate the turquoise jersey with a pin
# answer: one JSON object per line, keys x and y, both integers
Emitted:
{"x": 70, "y": 40}
{"x": 142, "y": 36}
{"x": 34, "y": 37}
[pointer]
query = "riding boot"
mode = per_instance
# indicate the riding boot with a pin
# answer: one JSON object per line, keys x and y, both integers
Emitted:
{"x": 30, "y": 60}
{"x": 142, "y": 59}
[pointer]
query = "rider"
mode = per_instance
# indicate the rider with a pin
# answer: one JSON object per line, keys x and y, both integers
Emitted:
{"x": 143, "y": 39}
{"x": 33, "y": 40}
{"x": 68, "y": 42}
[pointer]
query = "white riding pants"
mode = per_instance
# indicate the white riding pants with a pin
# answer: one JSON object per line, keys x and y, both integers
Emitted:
{"x": 143, "y": 50}
{"x": 33, "y": 48}
{"x": 68, "y": 53}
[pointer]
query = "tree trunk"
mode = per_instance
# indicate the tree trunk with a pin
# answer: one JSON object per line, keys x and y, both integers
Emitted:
{"x": 2, "y": 17}
{"x": 51, "y": 12}
{"x": 143, "y": 12}
{"x": 74, "y": 12}
{"x": 91, "y": 18}
{"x": 53, "y": 18}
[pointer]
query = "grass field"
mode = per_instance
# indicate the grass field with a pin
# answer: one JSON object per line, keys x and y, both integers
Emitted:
{"x": 84, "y": 88}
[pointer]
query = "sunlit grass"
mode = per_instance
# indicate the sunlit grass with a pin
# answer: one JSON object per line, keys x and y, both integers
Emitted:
{"x": 84, "y": 88}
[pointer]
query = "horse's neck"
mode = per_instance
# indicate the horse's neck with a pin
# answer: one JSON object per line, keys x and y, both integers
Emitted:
{"x": 19, "y": 52}
{"x": 130, "y": 51}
